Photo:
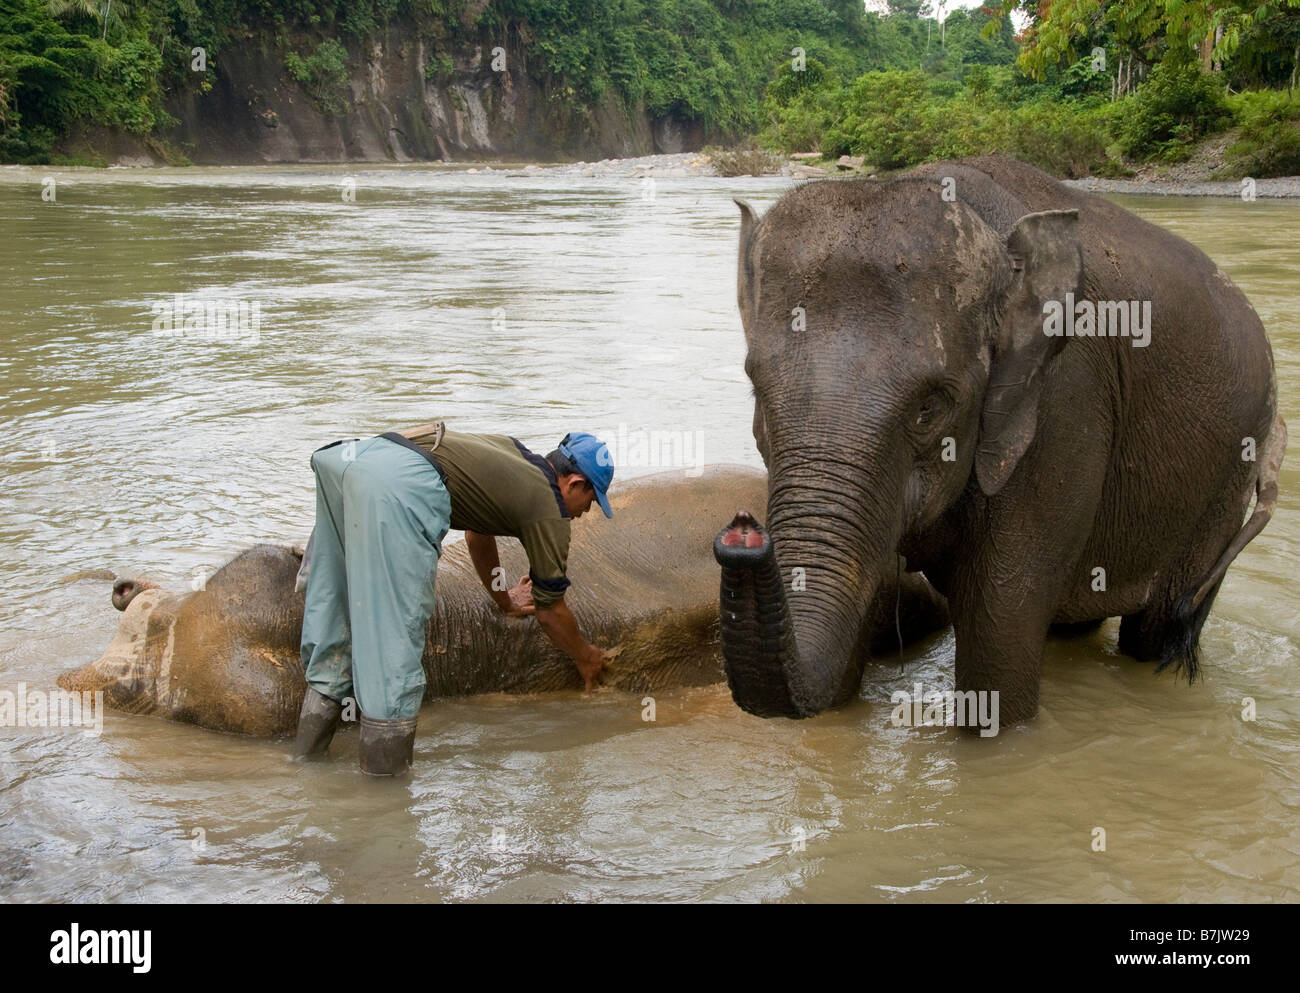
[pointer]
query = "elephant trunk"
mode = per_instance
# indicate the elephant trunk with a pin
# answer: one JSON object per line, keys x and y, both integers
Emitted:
{"x": 790, "y": 637}
{"x": 757, "y": 638}
{"x": 126, "y": 590}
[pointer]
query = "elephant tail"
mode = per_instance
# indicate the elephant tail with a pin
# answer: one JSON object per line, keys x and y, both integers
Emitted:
{"x": 1190, "y": 610}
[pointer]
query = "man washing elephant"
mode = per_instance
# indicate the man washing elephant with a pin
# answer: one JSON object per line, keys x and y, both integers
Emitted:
{"x": 227, "y": 657}
{"x": 383, "y": 507}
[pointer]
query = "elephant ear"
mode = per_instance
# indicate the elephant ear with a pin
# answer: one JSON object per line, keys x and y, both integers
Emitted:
{"x": 745, "y": 269}
{"x": 1046, "y": 260}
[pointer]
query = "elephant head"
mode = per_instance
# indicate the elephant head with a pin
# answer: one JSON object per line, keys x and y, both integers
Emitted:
{"x": 128, "y": 671}
{"x": 225, "y": 656}
{"x": 896, "y": 349}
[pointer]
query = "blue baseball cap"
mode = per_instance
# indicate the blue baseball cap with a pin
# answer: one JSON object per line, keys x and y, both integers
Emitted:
{"x": 591, "y": 455}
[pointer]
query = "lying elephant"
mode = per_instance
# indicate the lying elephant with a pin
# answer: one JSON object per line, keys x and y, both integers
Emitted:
{"x": 929, "y": 379}
{"x": 644, "y": 585}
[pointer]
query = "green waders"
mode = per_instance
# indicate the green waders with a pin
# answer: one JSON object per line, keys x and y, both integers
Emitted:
{"x": 382, "y": 512}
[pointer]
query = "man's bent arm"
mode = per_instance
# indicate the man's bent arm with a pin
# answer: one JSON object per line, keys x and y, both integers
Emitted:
{"x": 483, "y": 553}
{"x": 487, "y": 563}
{"x": 514, "y": 602}
{"x": 559, "y": 624}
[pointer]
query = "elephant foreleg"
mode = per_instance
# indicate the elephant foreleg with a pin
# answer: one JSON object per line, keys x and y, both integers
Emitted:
{"x": 1002, "y": 608}
{"x": 1000, "y": 650}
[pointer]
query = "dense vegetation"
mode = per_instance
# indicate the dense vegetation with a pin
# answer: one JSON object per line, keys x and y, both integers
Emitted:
{"x": 1085, "y": 89}
{"x": 896, "y": 88}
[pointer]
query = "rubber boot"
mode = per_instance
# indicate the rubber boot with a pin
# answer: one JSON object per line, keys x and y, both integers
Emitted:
{"x": 387, "y": 747}
{"x": 317, "y": 722}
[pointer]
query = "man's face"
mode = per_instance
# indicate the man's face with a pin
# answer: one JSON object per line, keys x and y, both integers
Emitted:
{"x": 577, "y": 494}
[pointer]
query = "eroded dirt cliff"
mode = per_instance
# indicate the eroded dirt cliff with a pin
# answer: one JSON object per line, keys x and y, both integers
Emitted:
{"x": 491, "y": 100}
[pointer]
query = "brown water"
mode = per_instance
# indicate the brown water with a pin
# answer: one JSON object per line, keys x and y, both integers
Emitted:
{"x": 126, "y": 450}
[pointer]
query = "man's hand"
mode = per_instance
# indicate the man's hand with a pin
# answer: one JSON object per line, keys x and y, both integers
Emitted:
{"x": 562, "y": 629}
{"x": 520, "y": 599}
{"x": 591, "y": 666}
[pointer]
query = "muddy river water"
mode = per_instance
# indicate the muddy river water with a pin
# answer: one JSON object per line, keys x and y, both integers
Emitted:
{"x": 535, "y": 305}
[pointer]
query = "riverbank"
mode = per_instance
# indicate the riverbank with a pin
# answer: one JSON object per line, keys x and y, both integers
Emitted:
{"x": 1286, "y": 187}
{"x": 680, "y": 165}
{"x": 689, "y": 164}
{"x": 685, "y": 165}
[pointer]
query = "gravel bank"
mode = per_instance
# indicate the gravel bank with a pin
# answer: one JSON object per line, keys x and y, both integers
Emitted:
{"x": 687, "y": 164}
{"x": 1287, "y": 187}
{"x": 679, "y": 166}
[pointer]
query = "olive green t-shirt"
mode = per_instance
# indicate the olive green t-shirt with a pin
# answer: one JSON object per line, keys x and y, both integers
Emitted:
{"x": 498, "y": 487}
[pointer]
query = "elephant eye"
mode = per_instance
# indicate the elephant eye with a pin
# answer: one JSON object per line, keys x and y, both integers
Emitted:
{"x": 931, "y": 410}
{"x": 928, "y": 411}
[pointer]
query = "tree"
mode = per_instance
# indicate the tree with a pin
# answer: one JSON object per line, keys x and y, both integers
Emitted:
{"x": 85, "y": 8}
{"x": 1214, "y": 29}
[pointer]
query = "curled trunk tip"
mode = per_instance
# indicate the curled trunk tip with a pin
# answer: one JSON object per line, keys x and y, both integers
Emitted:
{"x": 741, "y": 542}
{"x": 754, "y": 620}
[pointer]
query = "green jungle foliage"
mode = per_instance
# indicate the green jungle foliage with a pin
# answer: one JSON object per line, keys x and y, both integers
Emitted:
{"x": 897, "y": 88}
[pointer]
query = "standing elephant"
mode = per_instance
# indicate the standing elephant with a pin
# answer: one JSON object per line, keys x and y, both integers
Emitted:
{"x": 928, "y": 381}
